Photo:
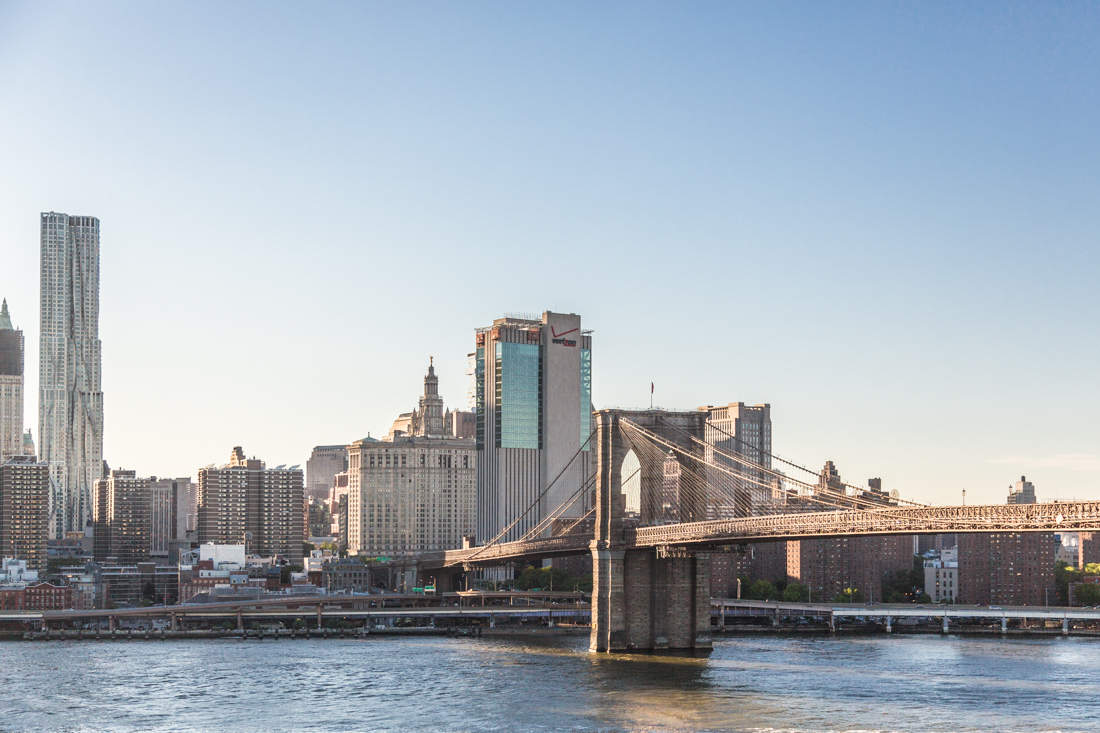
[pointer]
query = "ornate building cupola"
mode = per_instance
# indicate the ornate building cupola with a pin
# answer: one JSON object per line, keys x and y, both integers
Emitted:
{"x": 5, "y": 319}
{"x": 431, "y": 405}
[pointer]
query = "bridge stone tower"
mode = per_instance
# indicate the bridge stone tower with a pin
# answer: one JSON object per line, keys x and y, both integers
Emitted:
{"x": 650, "y": 598}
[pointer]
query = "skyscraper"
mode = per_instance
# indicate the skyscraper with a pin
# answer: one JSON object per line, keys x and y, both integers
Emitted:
{"x": 534, "y": 418}
{"x": 11, "y": 387}
{"x": 413, "y": 491}
{"x": 70, "y": 395}
{"x": 745, "y": 431}
{"x": 244, "y": 501}
{"x": 122, "y": 514}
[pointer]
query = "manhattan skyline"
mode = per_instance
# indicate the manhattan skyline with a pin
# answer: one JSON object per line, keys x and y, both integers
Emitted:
{"x": 893, "y": 248}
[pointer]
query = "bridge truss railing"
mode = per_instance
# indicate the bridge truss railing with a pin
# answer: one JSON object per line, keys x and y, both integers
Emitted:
{"x": 1057, "y": 517}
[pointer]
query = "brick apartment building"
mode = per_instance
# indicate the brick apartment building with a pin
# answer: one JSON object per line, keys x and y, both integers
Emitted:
{"x": 829, "y": 566}
{"x": 1012, "y": 568}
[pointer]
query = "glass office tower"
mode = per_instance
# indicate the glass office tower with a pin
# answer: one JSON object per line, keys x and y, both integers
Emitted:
{"x": 533, "y": 388}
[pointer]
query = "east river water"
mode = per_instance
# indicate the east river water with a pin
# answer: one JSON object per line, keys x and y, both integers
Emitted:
{"x": 759, "y": 683}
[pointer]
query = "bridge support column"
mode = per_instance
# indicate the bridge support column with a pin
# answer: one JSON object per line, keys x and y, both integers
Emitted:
{"x": 889, "y": 625}
{"x": 945, "y": 628}
{"x": 1065, "y": 627}
{"x": 608, "y": 612}
{"x": 240, "y": 620}
{"x": 644, "y": 600}
{"x": 173, "y": 623}
{"x": 450, "y": 580}
{"x": 320, "y": 619}
{"x": 1004, "y": 624}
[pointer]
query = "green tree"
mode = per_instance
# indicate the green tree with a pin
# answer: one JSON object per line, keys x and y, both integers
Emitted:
{"x": 795, "y": 592}
{"x": 308, "y": 547}
{"x": 286, "y": 570}
{"x": 543, "y": 579}
{"x": 761, "y": 590}
{"x": 1063, "y": 576}
{"x": 1092, "y": 568}
{"x": 1087, "y": 594}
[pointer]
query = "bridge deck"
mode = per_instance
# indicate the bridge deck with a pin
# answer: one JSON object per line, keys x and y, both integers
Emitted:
{"x": 1055, "y": 517}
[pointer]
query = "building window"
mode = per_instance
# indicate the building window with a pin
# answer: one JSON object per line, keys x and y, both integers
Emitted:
{"x": 518, "y": 409}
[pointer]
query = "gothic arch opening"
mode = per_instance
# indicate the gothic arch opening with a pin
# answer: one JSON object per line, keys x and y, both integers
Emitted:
{"x": 630, "y": 477}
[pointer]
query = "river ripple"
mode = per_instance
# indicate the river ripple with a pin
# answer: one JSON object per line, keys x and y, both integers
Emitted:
{"x": 765, "y": 684}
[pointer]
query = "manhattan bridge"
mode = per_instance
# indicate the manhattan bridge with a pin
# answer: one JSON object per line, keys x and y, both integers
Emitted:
{"x": 689, "y": 495}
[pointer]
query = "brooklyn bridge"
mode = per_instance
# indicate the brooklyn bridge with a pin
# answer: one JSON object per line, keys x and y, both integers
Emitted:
{"x": 686, "y": 491}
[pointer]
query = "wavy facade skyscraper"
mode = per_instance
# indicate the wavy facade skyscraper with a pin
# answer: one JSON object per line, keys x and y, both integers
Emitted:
{"x": 70, "y": 395}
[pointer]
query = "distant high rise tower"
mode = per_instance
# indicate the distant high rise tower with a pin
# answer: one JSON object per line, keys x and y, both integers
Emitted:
{"x": 11, "y": 387}
{"x": 324, "y": 463}
{"x": 534, "y": 417}
{"x": 70, "y": 392}
{"x": 737, "y": 431}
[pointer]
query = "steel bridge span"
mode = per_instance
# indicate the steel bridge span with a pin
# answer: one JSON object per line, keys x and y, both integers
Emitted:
{"x": 1060, "y": 517}
{"x": 651, "y": 584}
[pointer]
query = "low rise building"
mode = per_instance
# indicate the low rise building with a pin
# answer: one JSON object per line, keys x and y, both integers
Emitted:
{"x": 941, "y": 577}
{"x": 47, "y": 597}
{"x": 345, "y": 575}
{"x": 78, "y": 546}
{"x": 15, "y": 571}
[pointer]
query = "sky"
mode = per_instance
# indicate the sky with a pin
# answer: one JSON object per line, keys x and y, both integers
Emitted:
{"x": 880, "y": 218}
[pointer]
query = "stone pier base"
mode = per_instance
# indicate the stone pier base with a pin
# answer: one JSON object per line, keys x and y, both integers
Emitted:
{"x": 650, "y": 600}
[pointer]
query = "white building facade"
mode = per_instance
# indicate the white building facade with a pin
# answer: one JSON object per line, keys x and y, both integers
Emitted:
{"x": 70, "y": 396}
{"x": 412, "y": 492}
{"x": 941, "y": 577}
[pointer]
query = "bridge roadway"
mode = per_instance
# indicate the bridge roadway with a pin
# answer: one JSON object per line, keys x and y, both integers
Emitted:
{"x": 456, "y": 605}
{"x": 723, "y": 608}
{"x": 1054, "y": 517}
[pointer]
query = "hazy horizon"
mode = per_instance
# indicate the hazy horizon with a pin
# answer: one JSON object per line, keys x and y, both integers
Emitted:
{"x": 881, "y": 220}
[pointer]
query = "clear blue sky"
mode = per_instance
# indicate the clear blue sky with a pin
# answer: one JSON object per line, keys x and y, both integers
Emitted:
{"x": 881, "y": 218}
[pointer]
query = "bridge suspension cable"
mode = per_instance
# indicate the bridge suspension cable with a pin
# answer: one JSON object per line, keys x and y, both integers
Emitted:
{"x": 538, "y": 499}
{"x": 699, "y": 487}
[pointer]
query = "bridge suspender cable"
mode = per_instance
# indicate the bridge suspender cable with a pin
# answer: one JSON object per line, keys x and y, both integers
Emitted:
{"x": 813, "y": 493}
{"x": 536, "y": 501}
